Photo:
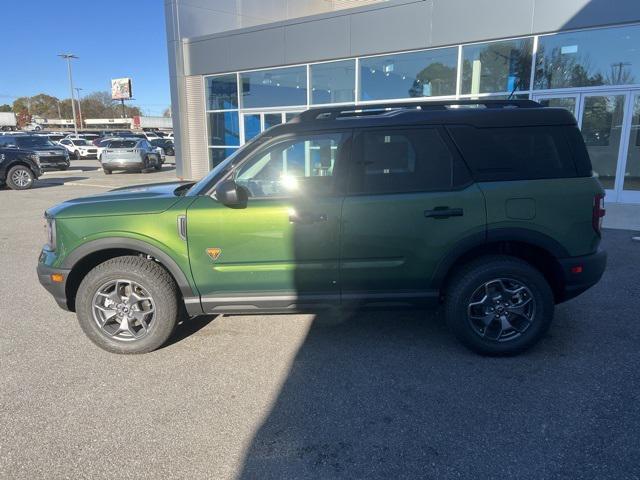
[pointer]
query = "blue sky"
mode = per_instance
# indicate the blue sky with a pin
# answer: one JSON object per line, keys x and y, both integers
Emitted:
{"x": 113, "y": 38}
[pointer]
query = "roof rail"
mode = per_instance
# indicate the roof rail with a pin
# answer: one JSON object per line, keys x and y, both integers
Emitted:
{"x": 331, "y": 113}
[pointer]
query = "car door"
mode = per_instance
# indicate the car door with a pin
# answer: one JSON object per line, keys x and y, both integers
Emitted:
{"x": 409, "y": 202}
{"x": 281, "y": 250}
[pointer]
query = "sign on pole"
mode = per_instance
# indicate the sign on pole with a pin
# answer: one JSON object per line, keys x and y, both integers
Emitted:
{"x": 121, "y": 89}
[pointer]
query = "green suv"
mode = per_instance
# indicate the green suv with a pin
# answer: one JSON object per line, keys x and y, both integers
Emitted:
{"x": 489, "y": 208}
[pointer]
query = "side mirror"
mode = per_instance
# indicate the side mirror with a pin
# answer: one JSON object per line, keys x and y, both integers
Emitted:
{"x": 231, "y": 194}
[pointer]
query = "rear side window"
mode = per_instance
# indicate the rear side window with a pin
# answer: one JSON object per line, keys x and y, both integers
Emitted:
{"x": 579, "y": 151}
{"x": 516, "y": 153}
{"x": 401, "y": 160}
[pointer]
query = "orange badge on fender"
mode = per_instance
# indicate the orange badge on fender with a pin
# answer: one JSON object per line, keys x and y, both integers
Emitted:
{"x": 214, "y": 253}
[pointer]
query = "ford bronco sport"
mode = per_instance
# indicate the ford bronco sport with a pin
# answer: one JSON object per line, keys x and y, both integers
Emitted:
{"x": 487, "y": 207}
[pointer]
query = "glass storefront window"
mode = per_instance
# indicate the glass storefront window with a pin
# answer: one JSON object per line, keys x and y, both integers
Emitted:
{"x": 497, "y": 66}
{"x": 274, "y": 88}
{"x": 418, "y": 74}
{"x": 333, "y": 82}
{"x": 583, "y": 59}
{"x": 222, "y": 92}
{"x": 216, "y": 155}
{"x": 251, "y": 126}
{"x": 224, "y": 129}
{"x": 271, "y": 119}
{"x": 632, "y": 171}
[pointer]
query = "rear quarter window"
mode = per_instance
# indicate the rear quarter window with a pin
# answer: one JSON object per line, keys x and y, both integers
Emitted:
{"x": 515, "y": 153}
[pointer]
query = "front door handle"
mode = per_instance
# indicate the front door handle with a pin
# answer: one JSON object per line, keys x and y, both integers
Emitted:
{"x": 444, "y": 212}
{"x": 306, "y": 218}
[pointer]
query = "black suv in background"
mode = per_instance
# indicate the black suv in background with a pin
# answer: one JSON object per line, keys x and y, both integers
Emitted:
{"x": 18, "y": 168}
{"x": 49, "y": 154}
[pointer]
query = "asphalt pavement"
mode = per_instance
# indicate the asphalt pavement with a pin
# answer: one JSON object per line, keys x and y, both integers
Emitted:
{"x": 376, "y": 395}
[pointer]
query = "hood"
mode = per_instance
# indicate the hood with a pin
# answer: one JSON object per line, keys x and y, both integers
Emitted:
{"x": 136, "y": 200}
{"x": 47, "y": 148}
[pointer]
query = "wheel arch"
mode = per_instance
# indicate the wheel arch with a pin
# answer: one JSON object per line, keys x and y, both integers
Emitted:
{"x": 84, "y": 258}
{"x": 537, "y": 249}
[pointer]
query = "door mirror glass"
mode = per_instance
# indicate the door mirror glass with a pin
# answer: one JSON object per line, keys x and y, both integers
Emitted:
{"x": 231, "y": 194}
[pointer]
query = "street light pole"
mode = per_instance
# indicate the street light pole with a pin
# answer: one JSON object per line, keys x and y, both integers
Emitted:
{"x": 77, "y": 89}
{"x": 68, "y": 57}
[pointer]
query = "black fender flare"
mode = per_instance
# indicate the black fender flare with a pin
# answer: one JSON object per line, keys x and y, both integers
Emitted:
{"x": 509, "y": 234}
{"x": 109, "y": 243}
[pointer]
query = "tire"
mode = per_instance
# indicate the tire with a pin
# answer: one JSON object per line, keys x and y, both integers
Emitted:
{"x": 107, "y": 171}
{"x": 76, "y": 155}
{"x": 20, "y": 177}
{"x": 63, "y": 167}
{"x": 480, "y": 301}
{"x": 155, "y": 284}
{"x": 158, "y": 165}
{"x": 145, "y": 165}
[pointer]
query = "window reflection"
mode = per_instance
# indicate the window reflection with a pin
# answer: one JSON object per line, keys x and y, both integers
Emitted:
{"x": 222, "y": 92}
{"x": 224, "y": 129}
{"x": 333, "y": 82}
{"x": 589, "y": 58}
{"x": 496, "y": 66}
{"x": 217, "y": 155}
{"x": 276, "y": 87}
{"x": 419, "y": 74}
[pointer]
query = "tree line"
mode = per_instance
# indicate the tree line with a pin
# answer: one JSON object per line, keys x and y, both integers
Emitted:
{"x": 93, "y": 105}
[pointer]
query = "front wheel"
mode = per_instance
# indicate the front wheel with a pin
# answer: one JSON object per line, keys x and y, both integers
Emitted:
{"x": 20, "y": 178}
{"x": 499, "y": 305}
{"x": 128, "y": 305}
{"x": 76, "y": 155}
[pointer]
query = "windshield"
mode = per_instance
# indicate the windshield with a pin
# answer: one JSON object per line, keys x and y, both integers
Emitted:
{"x": 81, "y": 142}
{"x": 123, "y": 144}
{"x": 28, "y": 142}
{"x": 227, "y": 164}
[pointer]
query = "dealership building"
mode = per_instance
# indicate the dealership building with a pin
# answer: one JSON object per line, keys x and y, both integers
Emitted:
{"x": 240, "y": 66}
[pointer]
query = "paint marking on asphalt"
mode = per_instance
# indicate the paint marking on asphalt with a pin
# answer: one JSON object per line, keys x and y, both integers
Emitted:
{"x": 82, "y": 184}
{"x": 61, "y": 172}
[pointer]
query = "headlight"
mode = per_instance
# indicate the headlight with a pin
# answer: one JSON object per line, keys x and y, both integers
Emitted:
{"x": 50, "y": 233}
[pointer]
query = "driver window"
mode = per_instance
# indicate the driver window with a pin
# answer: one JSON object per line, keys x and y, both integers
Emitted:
{"x": 292, "y": 167}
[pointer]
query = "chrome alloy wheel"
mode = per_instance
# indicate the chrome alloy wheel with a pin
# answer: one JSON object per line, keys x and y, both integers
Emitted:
{"x": 123, "y": 310}
{"x": 21, "y": 178}
{"x": 501, "y": 309}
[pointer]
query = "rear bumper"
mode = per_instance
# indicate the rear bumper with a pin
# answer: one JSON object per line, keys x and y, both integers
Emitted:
{"x": 122, "y": 164}
{"x": 57, "y": 289}
{"x": 581, "y": 273}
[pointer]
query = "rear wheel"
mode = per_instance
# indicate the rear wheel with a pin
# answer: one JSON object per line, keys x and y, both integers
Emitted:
{"x": 499, "y": 305}
{"x": 20, "y": 178}
{"x": 128, "y": 305}
{"x": 107, "y": 171}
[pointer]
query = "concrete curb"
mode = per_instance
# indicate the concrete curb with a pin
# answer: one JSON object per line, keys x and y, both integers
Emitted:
{"x": 61, "y": 172}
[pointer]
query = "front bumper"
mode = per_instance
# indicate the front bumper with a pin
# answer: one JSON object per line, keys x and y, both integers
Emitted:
{"x": 54, "y": 162}
{"x": 581, "y": 273}
{"x": 57, "y": 289}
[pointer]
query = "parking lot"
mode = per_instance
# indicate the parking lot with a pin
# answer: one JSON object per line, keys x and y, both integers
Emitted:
{"x": 365, "y": 395}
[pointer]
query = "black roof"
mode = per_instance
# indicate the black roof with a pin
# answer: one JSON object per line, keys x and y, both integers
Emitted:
{"x": 477, "y": 113}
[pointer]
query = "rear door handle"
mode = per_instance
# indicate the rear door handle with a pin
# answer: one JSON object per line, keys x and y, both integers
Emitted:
{"x": 444, "y": 212}
{"x": 307, "y": 218}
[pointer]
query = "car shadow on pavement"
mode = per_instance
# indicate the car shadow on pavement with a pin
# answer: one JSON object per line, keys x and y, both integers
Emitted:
{"x": 393, "y": 395}
{"x": 189, "y": 327}
{"x": 55, "y": 181}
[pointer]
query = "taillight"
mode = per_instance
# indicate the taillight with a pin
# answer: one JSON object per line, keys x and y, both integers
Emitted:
{"x": 598, "y": 212}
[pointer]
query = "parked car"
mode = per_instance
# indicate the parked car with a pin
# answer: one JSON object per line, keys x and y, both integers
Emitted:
{"x": 101, "y": 144}
{"x": 165, "y": 144}
{"x": 130, "y": 154}
{"x": 50, "y": 155}
{"x": 18, "y": 168}
{"x": 79, "y": 147}
{"x": 492, "y": 212}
